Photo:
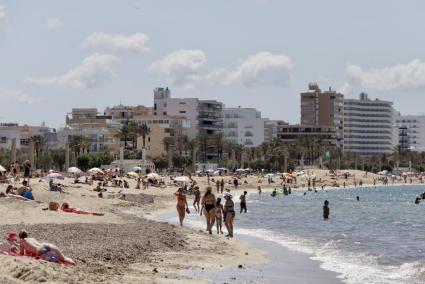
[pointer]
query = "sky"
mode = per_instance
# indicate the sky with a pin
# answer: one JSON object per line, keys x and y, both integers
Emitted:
{"x": 56, "y": 55}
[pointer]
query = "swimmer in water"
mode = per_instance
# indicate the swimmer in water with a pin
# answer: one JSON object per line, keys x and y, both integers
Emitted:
{"x": 358, "y": 198}
{"x": 326, "y": 210}
{"x": 274, "y": 192}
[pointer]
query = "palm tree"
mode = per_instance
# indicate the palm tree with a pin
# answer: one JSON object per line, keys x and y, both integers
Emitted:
{"x": 218, "y": 142}
{"x": 39, "y": 142}
{"x": 124, "y": 134}
{"x": 144, "y": 131}
{"x": 203, "y": 142}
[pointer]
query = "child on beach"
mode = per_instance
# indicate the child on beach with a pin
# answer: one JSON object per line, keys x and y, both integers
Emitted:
{"x": 229, "y": 209}
{"x": 219, "y": 216}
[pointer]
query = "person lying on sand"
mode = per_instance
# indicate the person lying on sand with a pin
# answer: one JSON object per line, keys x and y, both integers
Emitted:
{"x": 66, "y": 208}
{"x": 55, "y": 187}
{"x": 32, "y": 247}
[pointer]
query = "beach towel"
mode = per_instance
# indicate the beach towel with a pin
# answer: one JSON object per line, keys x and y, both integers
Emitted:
{"x": 49, "y": 258}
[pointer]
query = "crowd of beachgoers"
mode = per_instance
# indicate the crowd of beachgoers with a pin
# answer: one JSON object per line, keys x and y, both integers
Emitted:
{"x": 31, "y": 200}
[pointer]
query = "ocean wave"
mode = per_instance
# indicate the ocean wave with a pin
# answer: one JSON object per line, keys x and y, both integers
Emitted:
{"x": 353, "y": 268}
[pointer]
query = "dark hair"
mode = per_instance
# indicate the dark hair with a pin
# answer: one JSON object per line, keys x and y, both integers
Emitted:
{"x": 245, "y": 192}
{"x": 218, "y": 201}
{"x": 23, "y": 234}
{"x": 208, "y": 191}
{"x": 9, "y": 188}
{"x": 25, "y": 182}
{"x": 326, "y": 202}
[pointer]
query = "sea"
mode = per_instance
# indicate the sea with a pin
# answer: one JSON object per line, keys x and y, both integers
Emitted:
{"x": 378, "y": 239}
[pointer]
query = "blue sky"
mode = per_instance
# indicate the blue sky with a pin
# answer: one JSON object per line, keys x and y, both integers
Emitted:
{"x": 56, "y": 55}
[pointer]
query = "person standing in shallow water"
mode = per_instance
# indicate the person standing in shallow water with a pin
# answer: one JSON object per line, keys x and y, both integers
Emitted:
{"x": 242, "y": 199}
{"x": 326, "y": 210}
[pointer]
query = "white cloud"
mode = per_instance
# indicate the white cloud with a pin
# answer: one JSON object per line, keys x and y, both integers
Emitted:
{"x": 94, "y": 71}
{"x": 2, "y": 16}
{"x": 410, "y": 76}
{"x": 181, "y": 67}
{"x": 20, "y": 97}
{"x": 54, "y": 23}
{"x": 135, "y": 43}
{"x": 262, "y": 68}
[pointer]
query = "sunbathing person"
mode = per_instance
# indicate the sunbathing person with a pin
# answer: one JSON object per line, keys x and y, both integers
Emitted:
{"x": 66, "y": 208}
{"x": 32, "y": 247}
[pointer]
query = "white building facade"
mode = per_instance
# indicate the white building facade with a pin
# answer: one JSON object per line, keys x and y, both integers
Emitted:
{"x": 243, "y": 126}
{"x": 411, "y": 132}
{"x": 369, "y": 126}
{"x": 206, "y": 116}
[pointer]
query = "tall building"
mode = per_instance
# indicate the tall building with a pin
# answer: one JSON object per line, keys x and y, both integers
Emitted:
{"x": 411, "y": 132}
{"x": 271, "y": 129}
{"x": 368, "y": 126}
{"x": 243, "y": 126}
{"x": 206, "y": 116}
{"x": 323, "y": 108}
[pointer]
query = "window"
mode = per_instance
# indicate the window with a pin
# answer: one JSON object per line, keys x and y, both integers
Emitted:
{"x": 182, "y": 111}
{"x": 182, "y": 103}
{"x": 164, "y": 113}
{"x": 149, "y": 139}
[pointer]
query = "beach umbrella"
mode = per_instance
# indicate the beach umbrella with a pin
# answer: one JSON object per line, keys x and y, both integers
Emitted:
{"x": 182, "y": 179}
{"x": 74, "y": 170}
{"x": 154, "y": 176}
{"x": 137, "y": 168}
{"x": 95, "y": 171}
{"x": 54, "y": 176}
{"x": 2, "y": 169}
{"x": 133, "y": 174}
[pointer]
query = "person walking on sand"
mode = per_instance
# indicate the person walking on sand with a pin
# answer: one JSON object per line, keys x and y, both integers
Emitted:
{"x": 229, "y": 213}
{"x": 242, "y": 198}
{"x": 222, "y": 186}
{"x": 326, "y": 210}
{"x": 208, "y": 205}
{"x": 235, "y": 183}
{"x": 181, "y": 205}
{"x": 218, "y": 211}
{"x": 197, "y": 199}
{"x": 217, "y": 186}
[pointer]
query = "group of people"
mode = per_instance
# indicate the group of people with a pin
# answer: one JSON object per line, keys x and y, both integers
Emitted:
{"x": 212, "y": 208}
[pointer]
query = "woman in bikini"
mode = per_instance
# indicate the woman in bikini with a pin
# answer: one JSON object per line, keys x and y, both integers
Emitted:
{"x": 218, "y": 216}
{"x": 181, "y": 205}
{"x": 208, "y": 206}
{"x": 229, "y": 211}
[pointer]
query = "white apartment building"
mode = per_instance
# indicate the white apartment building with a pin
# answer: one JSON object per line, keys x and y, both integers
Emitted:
{"x": 9, "y": 131}
{"x": 369, "y": 126}
{"x": 411, "y": 132}
{"x": 243, "y": 126}
{"x": 23, "y": 134}
{"x": 206, "y": 116}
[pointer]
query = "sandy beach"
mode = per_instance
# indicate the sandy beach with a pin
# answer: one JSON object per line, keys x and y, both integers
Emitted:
{"x": 127, "y": 244}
